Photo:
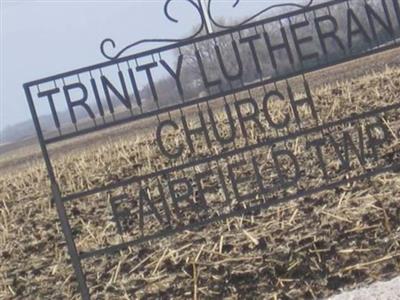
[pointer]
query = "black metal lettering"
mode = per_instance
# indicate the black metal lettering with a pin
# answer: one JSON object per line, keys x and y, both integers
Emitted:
{"x": 352, "y": 17}
{"x": 81, "y": 102}
{"x": 160, "y": 143}
{"x": 268, "y": 96}
{"x": 108, "y": 86}
{"x": 396, "y": 6}
{"x": 299, "y": 41}
{"x": 207, "y": 82}
{"x": 225, "y": 69}
{"x": 373, "y": 17}
{"x": 348, "y": 144}
{"x": 176, "y": 75}
{"x": 178, "y": 197}
{"x": 135, "y": 87}
{"x": 331, "y": 34}
{"x": 144, "y": 198}
{"x": 253, "y": 116}
{"x": 97, "y": 97}
{"x": 236, "y": 180}
{"x": 202, "y": 190}
{"x": 285, "y": 180}
{"x": 374, "y": 142}
{"x": 317, "y": 144}
{"x": 307, "y": 100}
{"x": 284, "y": 45}
{"x": 49, "y": 94}
{"x": 251, "y": 42}
{"x": 147, "y": 68}
{"x": 232, "y": 129}
{"x": 120, "y": 216}
{"x": 202, "y": 129}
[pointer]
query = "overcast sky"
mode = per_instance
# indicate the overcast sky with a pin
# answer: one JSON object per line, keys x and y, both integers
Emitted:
{"x": 46, "y": 37}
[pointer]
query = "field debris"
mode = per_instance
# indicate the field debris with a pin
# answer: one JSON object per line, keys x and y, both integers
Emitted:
{"x": 309, "y": 248}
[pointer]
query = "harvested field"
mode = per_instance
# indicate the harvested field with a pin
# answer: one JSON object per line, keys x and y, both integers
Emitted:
{"x": 306, "y": 248}
{"x": 23, "y": 153}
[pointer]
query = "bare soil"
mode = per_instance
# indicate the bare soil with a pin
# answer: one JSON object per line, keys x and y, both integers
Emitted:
{"x": 308, "y": 248}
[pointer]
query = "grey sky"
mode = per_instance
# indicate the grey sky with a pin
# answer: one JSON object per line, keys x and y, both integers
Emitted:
{"x": 43, "y": 38}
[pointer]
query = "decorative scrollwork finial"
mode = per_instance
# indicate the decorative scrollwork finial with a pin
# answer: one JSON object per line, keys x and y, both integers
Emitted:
{"x": 110, "y": 43}
{"x": 215, "y": 22}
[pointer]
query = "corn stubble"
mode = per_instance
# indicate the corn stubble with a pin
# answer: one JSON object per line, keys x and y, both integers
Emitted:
{"x": 306, "y": 248}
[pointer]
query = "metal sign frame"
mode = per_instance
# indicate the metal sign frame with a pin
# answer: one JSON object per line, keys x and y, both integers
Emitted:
{"x": 118, "y": 59}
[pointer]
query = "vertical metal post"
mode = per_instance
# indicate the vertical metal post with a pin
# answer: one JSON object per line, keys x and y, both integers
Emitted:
{"x": 204, "y": 5}
{"x": 66, "y": 227}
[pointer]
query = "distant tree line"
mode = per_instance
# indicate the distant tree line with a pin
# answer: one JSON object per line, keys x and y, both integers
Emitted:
{"x": 191, "y": 76}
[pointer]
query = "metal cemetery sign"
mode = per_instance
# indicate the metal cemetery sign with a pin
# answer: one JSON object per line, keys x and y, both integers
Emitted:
{"x": 216, "y": 104}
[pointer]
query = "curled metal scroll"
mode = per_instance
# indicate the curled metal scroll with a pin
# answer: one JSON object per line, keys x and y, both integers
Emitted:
{"x": 215, "y": 23}
{"x": 110, "y": 44}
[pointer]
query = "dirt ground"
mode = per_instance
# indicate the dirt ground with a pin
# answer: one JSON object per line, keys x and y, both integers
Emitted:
{"x": 309, "y": 248}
